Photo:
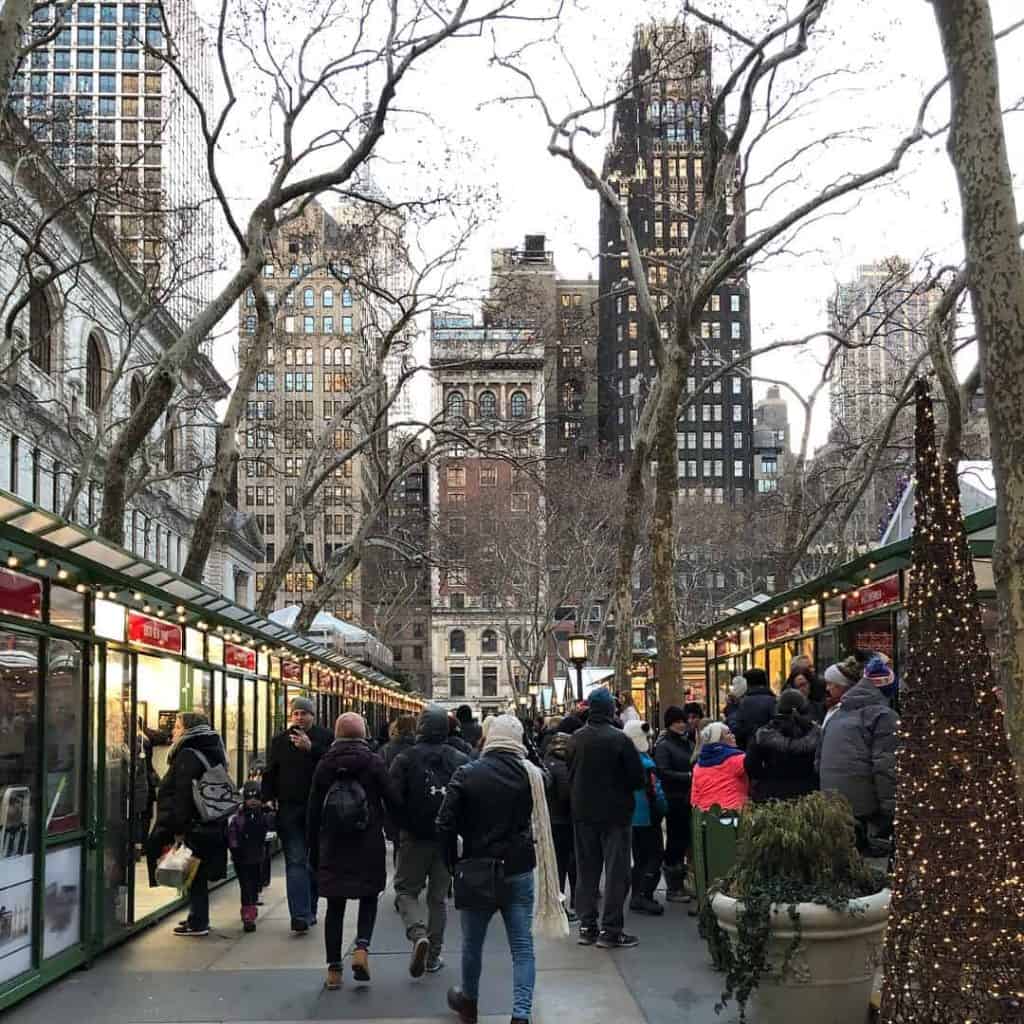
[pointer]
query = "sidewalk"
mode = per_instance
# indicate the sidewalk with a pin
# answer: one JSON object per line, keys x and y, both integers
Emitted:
{"x": 271, "y": 975}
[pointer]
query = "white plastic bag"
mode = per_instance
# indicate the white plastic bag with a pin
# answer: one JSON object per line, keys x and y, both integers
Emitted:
{"x": 177, "y": 867}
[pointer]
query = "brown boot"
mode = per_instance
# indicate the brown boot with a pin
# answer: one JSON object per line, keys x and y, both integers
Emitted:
{"x": 463, "y": 1006}
{"x": 361, "y": 964}
{"x": 334, "y": 977}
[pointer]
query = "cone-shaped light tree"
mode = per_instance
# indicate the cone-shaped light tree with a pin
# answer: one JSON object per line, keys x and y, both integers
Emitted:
{"x": 955, "y": 943}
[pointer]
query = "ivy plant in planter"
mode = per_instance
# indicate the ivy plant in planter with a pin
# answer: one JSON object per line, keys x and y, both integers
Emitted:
{"x": 797, "y": 924}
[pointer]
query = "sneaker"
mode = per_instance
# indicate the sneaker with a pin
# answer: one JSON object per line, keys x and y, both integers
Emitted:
{"x": 191, "y": 930}
{"x": 588, "y": 936}
{"x": 646, "y": 905}
{"x": 434, "y": 964}
{"x": 299, "y": 926}
{"x": 464, "y": 1007}
{"x": 616, "y": 940}
{"x": 361, "y": 964}
{"x": 334, "y": 977}
{"x": 420, "y": 952}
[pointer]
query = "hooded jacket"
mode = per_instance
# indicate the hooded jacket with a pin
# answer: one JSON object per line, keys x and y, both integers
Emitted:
{"x": 719, "y": 778}
{"x": 351, "y": 866}
{"x": 559, "y": 753}
{"x": 604, "y": 772}
{"x": 857, "y": 755}
{"x": 408, "y": 769}
{"x": 780, "y": 759}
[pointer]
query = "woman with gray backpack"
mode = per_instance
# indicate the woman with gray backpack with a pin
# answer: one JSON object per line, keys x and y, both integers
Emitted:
{"x": 193, "y": 803}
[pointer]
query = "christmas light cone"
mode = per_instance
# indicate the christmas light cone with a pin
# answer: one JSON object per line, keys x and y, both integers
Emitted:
{"x": 955, "y": 943}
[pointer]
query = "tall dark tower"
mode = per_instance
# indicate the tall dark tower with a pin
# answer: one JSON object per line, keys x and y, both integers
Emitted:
{"x": 656, "y": 161}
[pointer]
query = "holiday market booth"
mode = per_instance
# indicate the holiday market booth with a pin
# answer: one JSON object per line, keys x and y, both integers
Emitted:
{"x": 99, "y": 651}
{"x": 858, "y": 606}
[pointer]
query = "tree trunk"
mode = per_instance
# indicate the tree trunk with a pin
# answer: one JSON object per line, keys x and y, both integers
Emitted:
{"x": 977, "y": 149}
{"x": 14, "y": 21}
{"x": 664, "y": 451}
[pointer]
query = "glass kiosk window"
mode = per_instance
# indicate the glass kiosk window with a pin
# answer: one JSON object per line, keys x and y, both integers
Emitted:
{"x": 231, "y": 724}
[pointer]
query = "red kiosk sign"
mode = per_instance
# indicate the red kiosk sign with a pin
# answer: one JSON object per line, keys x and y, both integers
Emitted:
{"x": 870, "y": 598}
{"x": 146, "y": 631}
{"x": 783, "y": 626}
{"x": 291, "y": 671}
{"x": 240, "y": 657}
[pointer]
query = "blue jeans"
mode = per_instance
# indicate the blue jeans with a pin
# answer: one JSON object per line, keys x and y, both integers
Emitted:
{"x": 517, "y": 912}
{"x": 299, "y": 880}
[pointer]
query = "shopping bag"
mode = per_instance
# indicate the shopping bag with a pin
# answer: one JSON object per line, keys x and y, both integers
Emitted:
{"x": 177, "y": 867}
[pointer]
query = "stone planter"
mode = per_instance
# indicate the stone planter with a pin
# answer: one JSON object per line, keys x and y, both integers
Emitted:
{"x": 829, "y": 977}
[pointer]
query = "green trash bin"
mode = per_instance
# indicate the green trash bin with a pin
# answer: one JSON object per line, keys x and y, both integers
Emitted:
{"x": 714, "y": 847}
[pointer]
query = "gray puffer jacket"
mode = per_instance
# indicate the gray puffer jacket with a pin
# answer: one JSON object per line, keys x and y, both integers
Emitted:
{"x": 857, "y": 756}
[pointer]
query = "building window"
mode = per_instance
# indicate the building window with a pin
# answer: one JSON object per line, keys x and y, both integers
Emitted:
{"x": 488, "y": 476}
{"x": 457, "y": 642}
{"x": 457, "y": 681}
{"x": 520, "y": 502}
{"x": 518, "y": 405}
{"x": 489, "y": 642}
{"x": 327, "y": 298}
{"x": 737, "y": 468}
{"x": 346, "y": 298}
{"x": 346, "y": 325}
{"x": 489, "y": 681}
{"x": 737, "y": 414}
{"x": 456, "y": 405}
{"x": 308, "y": 298}
{"x": 309, "y": 325}
{"x": 734, "y": 303}
{"x": 488, "y": 405}
{"x": 456, "y": 477}
{"x": 40, "y": 329}
{"x": 93, "y": 375}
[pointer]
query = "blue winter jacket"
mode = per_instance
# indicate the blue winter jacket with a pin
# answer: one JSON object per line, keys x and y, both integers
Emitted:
{"x": 642, "y": 805}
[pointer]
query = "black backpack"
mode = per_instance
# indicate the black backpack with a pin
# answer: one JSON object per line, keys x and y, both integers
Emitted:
{"x": 428, "y": 780}
{"x": 346, "y": 810}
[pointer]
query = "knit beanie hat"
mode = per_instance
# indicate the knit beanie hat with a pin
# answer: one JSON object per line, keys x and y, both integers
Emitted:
{"x": 673, "y": 714}
{"x": 505, "y": 732}
{"x": 693, "y": 708}
{"x": 601, "y": 699}
{"x": 251, "y": 790}
{"x": 303, "y": 704}
{"x": 738, "y": 687}
{"x": 791, "y": 702}
{"x": 878, "y": 672}
{"x": 714, "y": 732}
{"x": 635, "y": 731}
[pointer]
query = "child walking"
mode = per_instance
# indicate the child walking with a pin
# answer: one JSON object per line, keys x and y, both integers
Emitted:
{"x": 247, "y": 832}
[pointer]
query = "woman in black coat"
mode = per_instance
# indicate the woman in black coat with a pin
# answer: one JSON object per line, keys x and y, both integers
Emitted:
{"x": 178, "y": 820}
{"x": 780, "y": 756}
{"x": 556, "y": 763}
{"x": 350, "y": 865}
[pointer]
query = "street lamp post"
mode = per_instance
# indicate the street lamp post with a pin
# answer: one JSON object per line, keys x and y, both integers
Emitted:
{"x": 578, "y": 656}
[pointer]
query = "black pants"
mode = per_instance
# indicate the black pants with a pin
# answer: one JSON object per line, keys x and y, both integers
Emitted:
{"x": 647, "y": 853}
{"x": 335, "y": 921}
{"x": 248, "y": 876}
{"x": 199, "y": 898}
{"x": 677, "y": 825}
{"x": 565, "y": 854}
{"x": 602, "y": 846}
{"x": 268, "y": 856}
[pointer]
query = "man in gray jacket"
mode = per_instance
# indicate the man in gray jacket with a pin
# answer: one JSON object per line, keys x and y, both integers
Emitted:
{"x": 857, "y": 757}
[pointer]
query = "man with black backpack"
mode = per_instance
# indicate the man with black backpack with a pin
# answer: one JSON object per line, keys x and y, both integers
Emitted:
{"x": 421, "y": 775}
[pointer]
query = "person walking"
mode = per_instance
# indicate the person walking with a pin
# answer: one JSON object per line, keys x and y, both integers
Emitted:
{"x": 350, "y": 792}
{"x": 604, "y": 773}
{"x": 559, "y": 752}
{"x": 780, "y": 758}
{"x": 497, "y": 805}
{"x": 719, "y": 778}
{"x": 247, "y": 833}
{"x": 421, "y": 775}
{"x": 649, "y": 811}
{"x": 857, "y": 754}
{"x": 673, "y": 755}
{"x": 194, "y": 748}
{"x": 756, "y": 707}
{"x": 402, "y": 737}
{"x": 291, "y": 762}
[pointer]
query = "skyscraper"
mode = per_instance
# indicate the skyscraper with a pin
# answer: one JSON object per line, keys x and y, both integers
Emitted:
{"x": 113, "y": 115}
{"x": 656, "y": 162}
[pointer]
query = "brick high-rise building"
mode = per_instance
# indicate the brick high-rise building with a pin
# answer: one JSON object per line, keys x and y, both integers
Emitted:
{"x": 656, "y": 161}
{"x": 101, "y": 100}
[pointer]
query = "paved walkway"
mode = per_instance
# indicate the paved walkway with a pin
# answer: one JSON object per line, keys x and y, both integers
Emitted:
{"x": 271, "y": 975}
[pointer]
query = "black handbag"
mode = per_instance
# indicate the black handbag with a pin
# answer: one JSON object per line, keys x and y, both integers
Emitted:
{"x": 479, "y": 883}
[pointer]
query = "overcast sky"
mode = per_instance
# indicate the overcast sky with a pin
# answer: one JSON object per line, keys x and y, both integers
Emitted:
{"x": 881, "y": 64}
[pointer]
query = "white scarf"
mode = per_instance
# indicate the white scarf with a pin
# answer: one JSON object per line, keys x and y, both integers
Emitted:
{"x": 504, "y": 732}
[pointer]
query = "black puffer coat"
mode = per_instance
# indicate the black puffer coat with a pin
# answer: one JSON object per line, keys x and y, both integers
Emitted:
{"x": 780, "y": 759}
{"x": 176, "y": 813}
{"x": 556, "y": 763}
{"x": 673, "y": 760}
{"x": 756, "y": 709}
{"x": 489, "y": 804}
{"x": 353, "y": 866}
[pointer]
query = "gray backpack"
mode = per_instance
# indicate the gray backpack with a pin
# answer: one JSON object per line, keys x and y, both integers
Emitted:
{"x": 213, "y": 793}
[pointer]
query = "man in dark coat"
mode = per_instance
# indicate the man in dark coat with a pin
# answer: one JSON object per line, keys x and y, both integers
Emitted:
{"x": 177, "y": 819}
{"x": 468, "y": 725}
{"x": 557, "y": 756}
{"x": 351, "y": 865}
{"x": 756, "y": 708}
{"x": 421, "y": 774}
{"x": 291, "y": 762}
{"x": 604, "y": 773}
{"x": 673, "y": 756}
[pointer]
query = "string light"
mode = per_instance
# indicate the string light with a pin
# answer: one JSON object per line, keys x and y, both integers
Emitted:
{"x": 955, "y": 940}
{"x": 41, "y": 563}
{"x": 62, "y": 574}
{"x": 12, "y": 562}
